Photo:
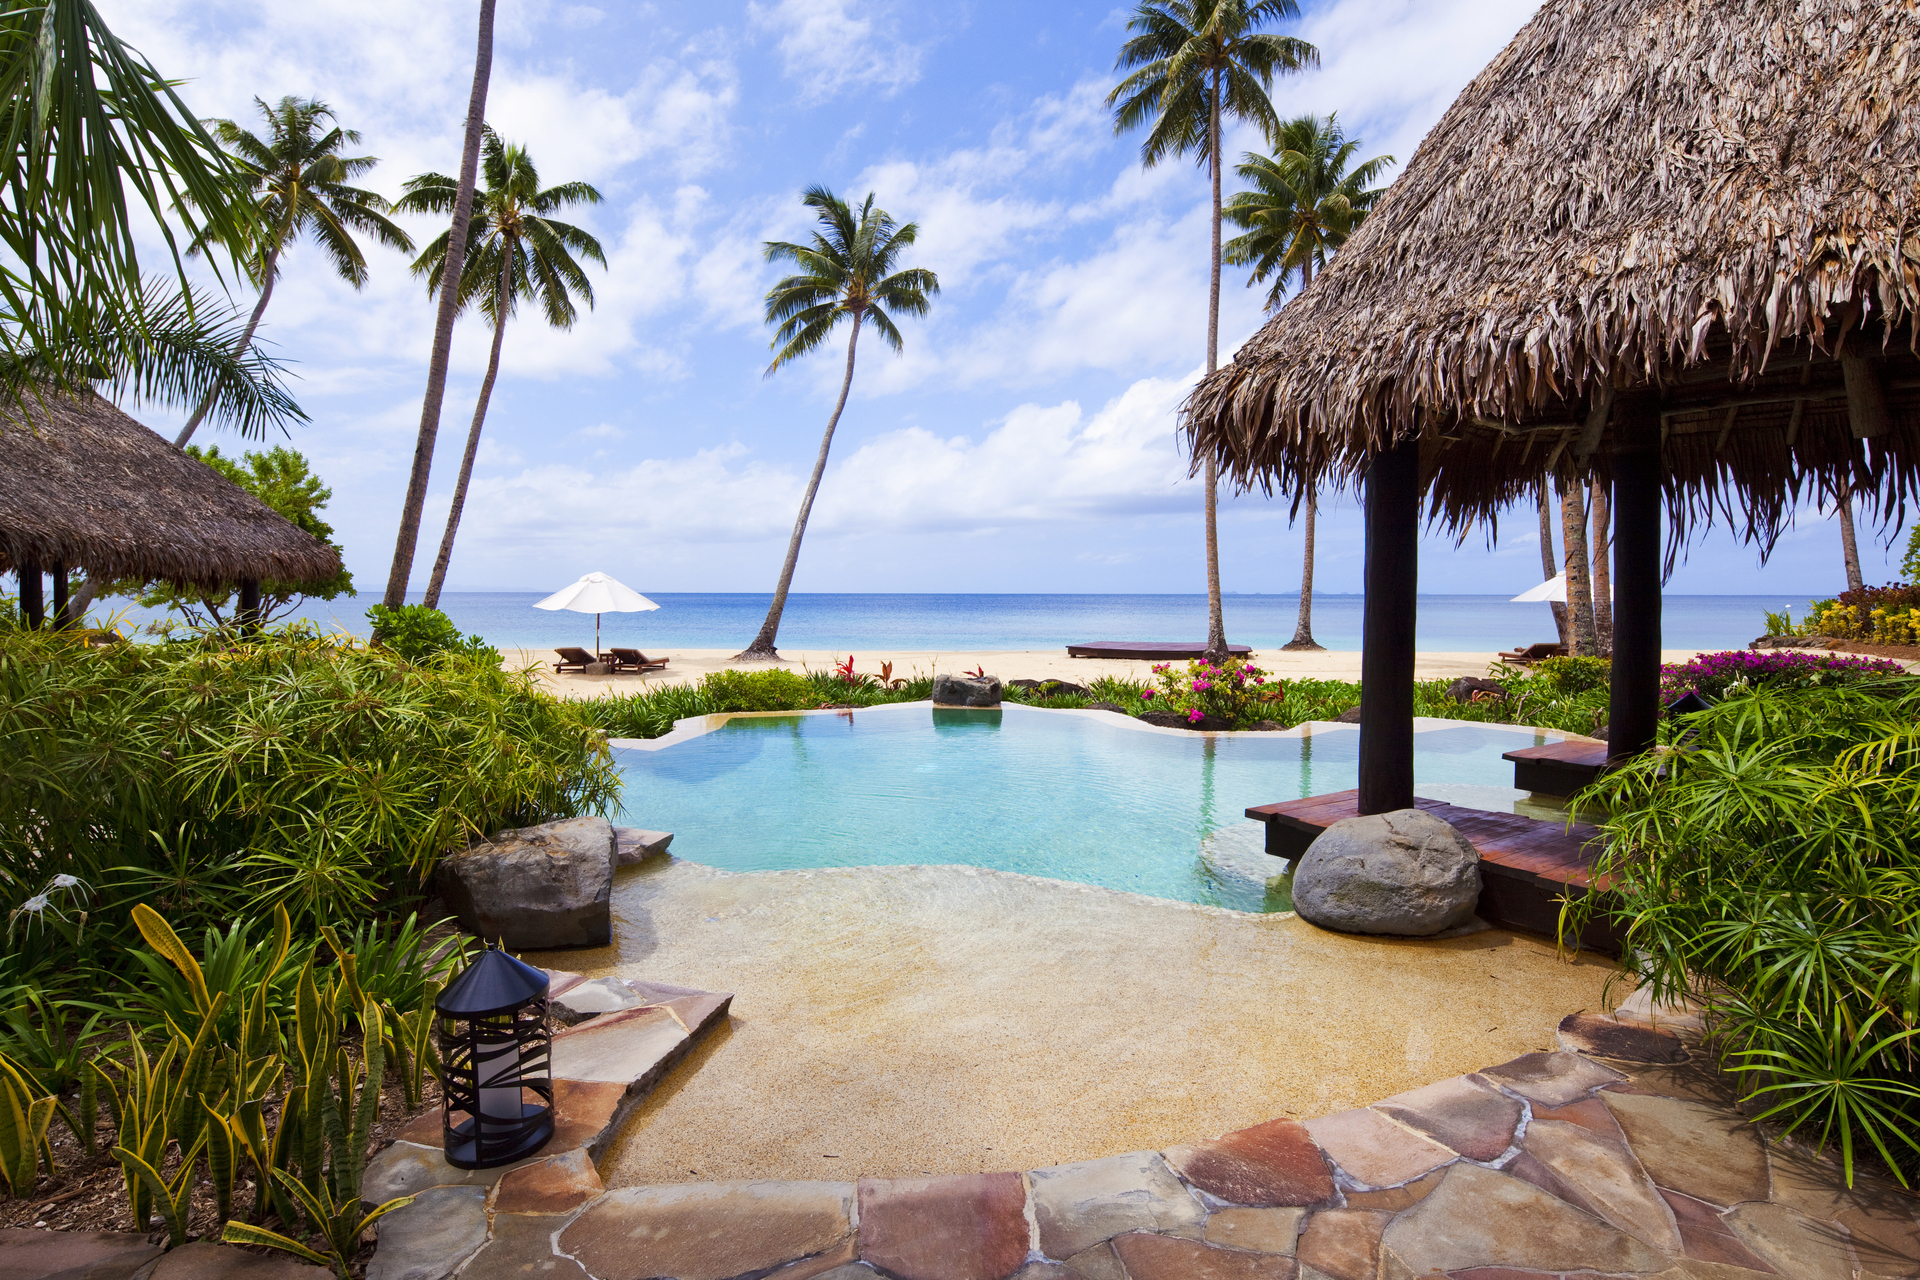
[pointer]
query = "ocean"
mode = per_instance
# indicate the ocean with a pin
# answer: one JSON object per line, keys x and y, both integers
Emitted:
{"x": 962, "y": 623}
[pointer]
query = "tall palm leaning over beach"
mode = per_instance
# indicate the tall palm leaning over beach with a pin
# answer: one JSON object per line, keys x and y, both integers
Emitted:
{"x": 1303, "y": 205}
{"x": 1194, "y": 64}
{"x": 516, "y": 252}
{"x": 847, "y": 273}
{"x": 301, "y": 185}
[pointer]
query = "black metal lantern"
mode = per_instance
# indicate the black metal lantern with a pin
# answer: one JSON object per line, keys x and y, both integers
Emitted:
{"x": 497, "y": 1105}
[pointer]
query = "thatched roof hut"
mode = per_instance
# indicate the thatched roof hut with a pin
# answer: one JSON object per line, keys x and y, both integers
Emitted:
{"x": 1714, "y": 197}
{"x": 82, "y": 485}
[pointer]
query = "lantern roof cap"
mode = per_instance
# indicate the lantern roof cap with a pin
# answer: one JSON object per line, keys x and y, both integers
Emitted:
{"x": 495, "y": 983}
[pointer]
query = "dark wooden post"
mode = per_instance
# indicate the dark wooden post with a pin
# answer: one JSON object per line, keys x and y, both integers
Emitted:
{"x": 60, "y": 595}
{"x": 33, "y": 601}
{"x": 1634, "y": 701}
{"x": 248, "y": 614}
{"x": 1392, "y": 578}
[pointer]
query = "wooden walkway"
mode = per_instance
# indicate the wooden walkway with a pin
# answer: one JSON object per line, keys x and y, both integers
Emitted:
{"x": 1527, "y": 865}
{"x": 1558, "y": 768}
{"x": 1153, "y": 649}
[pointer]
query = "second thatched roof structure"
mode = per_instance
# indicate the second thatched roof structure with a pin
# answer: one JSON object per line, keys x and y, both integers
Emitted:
{"x": 1717, "y": 197}
{"x": 85, "y": 486}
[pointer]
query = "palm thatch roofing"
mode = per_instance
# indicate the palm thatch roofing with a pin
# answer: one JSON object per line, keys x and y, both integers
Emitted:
{"x": 85, "y": 486}
{"x": 1716, "y": 198}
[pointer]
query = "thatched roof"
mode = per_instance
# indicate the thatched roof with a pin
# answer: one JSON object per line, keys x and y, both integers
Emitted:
{"x": 1714, "y": 196}
{"x": 84, "y": 485}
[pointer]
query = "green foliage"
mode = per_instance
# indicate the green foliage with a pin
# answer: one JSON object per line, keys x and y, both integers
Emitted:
{"x": 1910, "y": 562}
{"x": 772, "y": 689}
{"x": 651, "y": 712}
{"x": 1772, "y": 870}
{"x": 281, "y": 479}
{"x": 287, "y": 769}
{"x": 418, "y": 632}
{"x": 1304, "y": 204}
{"x": 1226, "y": 692}
{"x": 25, "y": 1113}
{"x": 1563, "y": 677}
{"x": 847, "y": 273}
{"x": 339, "y": 1223}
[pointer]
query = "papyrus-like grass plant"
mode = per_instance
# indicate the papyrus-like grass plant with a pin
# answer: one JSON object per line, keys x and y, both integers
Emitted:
{"x": 1768, "y": 864}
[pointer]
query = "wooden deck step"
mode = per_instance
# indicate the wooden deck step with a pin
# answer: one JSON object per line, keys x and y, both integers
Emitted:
{"x": 1526, "y": 864}
{"x": 1151, "y": 649}
{"x": 1558, "y": 768}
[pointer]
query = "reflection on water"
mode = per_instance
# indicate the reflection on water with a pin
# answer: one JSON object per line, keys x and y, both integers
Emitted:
{"x": 1070, "y": 797}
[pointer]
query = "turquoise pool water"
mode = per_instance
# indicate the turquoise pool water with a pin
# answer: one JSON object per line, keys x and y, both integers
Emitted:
{"x": 1071, "y": 797}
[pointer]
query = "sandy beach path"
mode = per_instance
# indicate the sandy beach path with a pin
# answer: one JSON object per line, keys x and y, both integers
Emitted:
{"x": 685, "y": 666}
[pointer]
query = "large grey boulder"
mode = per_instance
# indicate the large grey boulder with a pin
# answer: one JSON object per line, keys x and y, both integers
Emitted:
{"x": 966, "y": 691}
{"x": 1405, "y": 872}
{"x": 536, "y": 887}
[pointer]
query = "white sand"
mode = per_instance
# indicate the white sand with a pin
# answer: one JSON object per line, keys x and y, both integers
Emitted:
{"x": 685, "y": 666}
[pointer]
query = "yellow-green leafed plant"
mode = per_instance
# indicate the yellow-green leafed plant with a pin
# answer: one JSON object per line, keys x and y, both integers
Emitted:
{"x": 23, "y": 1130}
{"x": 410, "y": 1040}
{"x": 174, "y": 1196}
{"x": 339, "y": 1223}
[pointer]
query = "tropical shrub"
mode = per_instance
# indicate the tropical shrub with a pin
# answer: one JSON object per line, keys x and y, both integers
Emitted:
{"x": 1224, "y": 692}
{"x": 774, "y": 689}
{"x": 1717, "y": 675}
{"x": 1888, "y": 614}
{"x": 216, "y": 775}
{"x": 1772, "y": 870}
{"x": 417, "y": 632}
{"x": 651, "y": 712}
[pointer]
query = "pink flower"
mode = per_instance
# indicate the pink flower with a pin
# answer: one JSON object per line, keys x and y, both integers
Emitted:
{"x": 1147, "y": 694}
{"x": 1201, "y": 686}
{"x": 1195, "y": 716}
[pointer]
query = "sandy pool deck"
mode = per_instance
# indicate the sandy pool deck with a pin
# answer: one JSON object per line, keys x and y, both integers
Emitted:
{"x": 687, "y": 665}
{"x": 893, "y": 1021}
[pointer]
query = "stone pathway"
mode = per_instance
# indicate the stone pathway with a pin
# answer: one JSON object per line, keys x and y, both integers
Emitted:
{"x": 1619, "y": 1154}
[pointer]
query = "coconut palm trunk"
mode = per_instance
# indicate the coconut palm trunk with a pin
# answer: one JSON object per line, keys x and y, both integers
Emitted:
{"x": 1602, "y": 570}
{"x": 1303, "y": 628}
{"x": 1843, "y": 509}
{"x": 1548, "y": 562}
{"x": 762, "y": 649}
{"x": 1573, "y": 529}
{"x": 441, "y": 560}
{"x": 246, "y": 336}
{"x": 409, "y": 535}
{"x": 1216, "y": 620}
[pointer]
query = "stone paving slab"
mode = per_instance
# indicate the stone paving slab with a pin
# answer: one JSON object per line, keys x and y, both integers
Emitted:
{"x": 1554, "y": 1166}
{"x": 29, "y": 1254}
{"x": 205, "y": 1260}
{"x": 708, "y": 1231}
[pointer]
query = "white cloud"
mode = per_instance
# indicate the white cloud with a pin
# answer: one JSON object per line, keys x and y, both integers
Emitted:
{"x": 1040, "y": 465}
{"x": 827, "y": 49}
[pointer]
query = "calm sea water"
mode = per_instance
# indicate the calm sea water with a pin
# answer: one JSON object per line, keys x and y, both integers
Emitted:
{"x": 960, "y": 623}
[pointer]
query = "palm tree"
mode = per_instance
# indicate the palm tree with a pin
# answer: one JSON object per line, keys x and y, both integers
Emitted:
{"x": 1194, "y": 63}
{"x": 847, "y": 273}
{"x": 1304, "y": 204}
{"x": 515, "y": 252}
{"x": 408, "y": 538}
{"x": 298, "y": 179}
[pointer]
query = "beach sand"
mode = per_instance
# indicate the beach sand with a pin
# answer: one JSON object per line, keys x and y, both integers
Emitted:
{"x": 685, "y": 666}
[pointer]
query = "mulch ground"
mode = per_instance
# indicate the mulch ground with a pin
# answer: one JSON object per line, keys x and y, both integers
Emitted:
{"x": 1910, "y": 652}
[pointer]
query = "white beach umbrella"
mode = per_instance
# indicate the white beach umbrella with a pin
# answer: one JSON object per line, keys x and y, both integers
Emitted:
{"x": 1554, "y": 588}
{"x": 597, "y": 593}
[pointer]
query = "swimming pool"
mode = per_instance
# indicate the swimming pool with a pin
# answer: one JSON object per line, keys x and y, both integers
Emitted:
{"x": 1081, "y": 796}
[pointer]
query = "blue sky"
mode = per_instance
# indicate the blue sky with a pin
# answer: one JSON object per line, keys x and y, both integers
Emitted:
{"x": 1025, "y": 441}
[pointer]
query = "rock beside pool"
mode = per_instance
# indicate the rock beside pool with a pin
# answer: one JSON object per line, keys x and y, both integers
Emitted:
{"x": 1106, "y": 706}
{"x": 966, "y": 691}
{"x": 631, "y": 845}
{"x": 1350, "y": 716}
{"x": 536, "y": 887}
{"x": 1175, "y": 720}
{"x": 1406, "y": 873}
{"x": 1467, "y": 688}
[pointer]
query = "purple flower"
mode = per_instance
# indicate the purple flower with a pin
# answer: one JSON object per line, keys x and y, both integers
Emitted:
{"x": 1147, "y": 694}
{"x": 1195, "y": 716}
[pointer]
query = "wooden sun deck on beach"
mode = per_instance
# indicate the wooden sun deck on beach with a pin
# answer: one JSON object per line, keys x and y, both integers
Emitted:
{"x": 1558, "y": 768}
{"x": 1526, "y": 864}
{"x": 1152, "y": 649}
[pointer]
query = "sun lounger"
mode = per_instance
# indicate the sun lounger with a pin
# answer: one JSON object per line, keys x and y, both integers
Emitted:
{"x": 1533, "y": 653}
{"x": 634, "y": 660}
{"x": 573, "y": 659}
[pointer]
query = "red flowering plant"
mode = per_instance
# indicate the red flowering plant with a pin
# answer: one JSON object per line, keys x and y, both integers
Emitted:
{"x": 1226, "y": 692}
